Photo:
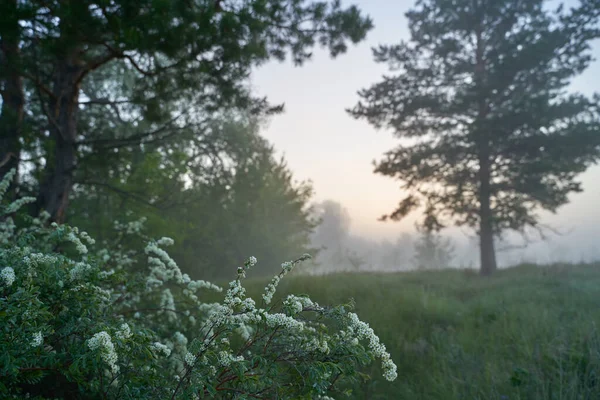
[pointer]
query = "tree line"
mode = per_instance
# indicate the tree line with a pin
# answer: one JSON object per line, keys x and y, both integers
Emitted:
{"x": 115, "y": 105}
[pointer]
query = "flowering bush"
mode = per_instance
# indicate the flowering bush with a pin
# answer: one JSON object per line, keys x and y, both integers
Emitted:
{"x": 77, "y": 319}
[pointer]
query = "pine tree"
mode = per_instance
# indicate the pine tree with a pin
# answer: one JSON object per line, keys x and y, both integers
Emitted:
{"x": 478, "y": 94}
{"x": 185, "y": 61}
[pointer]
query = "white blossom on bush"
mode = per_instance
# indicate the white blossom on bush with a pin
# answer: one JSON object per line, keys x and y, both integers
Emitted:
{"x": 79, "y": 246}
{"x": 161, "y": 348}
{"x": 7, "y": 274}
{"x": 177, "y": 333}
{"x": 103, "y": 342}
{"x": 79, "y": 270}
{"x": 189, "y": 359}
{"x": 37, "y": 339}
{"x": 124, "y": 332}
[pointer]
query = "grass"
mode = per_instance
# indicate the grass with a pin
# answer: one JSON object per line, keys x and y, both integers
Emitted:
{"x": 527, "y": 333}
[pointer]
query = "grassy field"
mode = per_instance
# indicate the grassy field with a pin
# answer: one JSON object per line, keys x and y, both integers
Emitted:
{"x": 527, "y": 333}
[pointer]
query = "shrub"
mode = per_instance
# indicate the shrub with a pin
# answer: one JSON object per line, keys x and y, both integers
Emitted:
{"x": 78, "y": 320}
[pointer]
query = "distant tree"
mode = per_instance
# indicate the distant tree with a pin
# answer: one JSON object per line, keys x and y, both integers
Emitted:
{"x": 184, "y": 61}
{"x": 397, "y": 255}
{"x": 355, "y": 260}
{"x": 332, "y": 232}
{"x": 433, "y": 251}
{"x": 478, "y": 94}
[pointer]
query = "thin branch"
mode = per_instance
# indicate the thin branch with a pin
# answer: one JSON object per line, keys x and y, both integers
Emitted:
{"x": 7, "y": 158}
{"x": 103, "y": 102}
{"x": 38, "y": 84}
{"x": 115, "y": 53}
{"x": 134, "y": 139}
{"x": 119, "y": 191}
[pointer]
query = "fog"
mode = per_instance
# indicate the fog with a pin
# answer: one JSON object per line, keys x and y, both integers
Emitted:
{"x": 342, "y": 249}
{"x": 324, "y": 144}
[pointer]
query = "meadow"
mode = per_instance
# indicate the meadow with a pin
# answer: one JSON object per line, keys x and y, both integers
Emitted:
{"x": 528, "y": 332}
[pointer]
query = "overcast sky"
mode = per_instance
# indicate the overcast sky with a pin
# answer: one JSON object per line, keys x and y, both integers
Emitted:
{"x": 324, "y": 144}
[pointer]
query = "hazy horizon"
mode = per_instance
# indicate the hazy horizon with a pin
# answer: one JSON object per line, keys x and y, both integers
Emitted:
{"x": 322, "y": 143}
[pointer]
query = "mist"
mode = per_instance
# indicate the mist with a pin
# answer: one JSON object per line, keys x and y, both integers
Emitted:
{"x": 342, "y": 247}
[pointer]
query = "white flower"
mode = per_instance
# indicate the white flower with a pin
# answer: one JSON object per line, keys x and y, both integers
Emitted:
{"x": 104, "y": 274}
{"x": 167, "y": 304}
{"x": 200, "y": 284}
{"x": 272, "y": 287}
{"x": 37, "y": 340}
{"x": 81, "y": 249}
{"x": 189, "y": 359}
{"x": 284, "y": 321}
{"x": 17, "y": 204}
{"x": 161, "y": 348}
{"x": 225, "y": 358}
{"x": 364, "y": 331}
{"x": 165, "y": 241}
{"x": 85, "y": 236}
{"x": 323, "y": 347}
{"x": 124, "y": 332}
{"x": 79, "y": 270}
{"x": 7, "y": 274}
{"x": 180, "y": 339}
{"x": 103, "y": 342}
{"x": 6, "y": 180}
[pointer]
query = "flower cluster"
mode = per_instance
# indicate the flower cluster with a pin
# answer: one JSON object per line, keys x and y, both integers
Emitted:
{"x": 103, "y": 342}
{"x": 33, "y": 260}
{"x": 225, "y": 358}
{"x": 283, "y": 321}
{"x": 297, "y": 304}
{"x": 161, "y": 348}
{"x": 7, "y": 275}
{"x": 364, "y": 331}
{"x": 190, "y": 359}
{"x": 177, "y": 334}
{"x": 124, "y": 332}
{"x": 81, "y": 248}
{"x": 79, "y": 270}
{"x": 17, "y": 204}
{"x": 286, "y": 267}
{"x": 37, "y": 339}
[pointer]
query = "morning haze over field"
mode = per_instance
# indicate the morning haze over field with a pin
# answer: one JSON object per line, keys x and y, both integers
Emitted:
{"x": 324, "y": 144}
{"x": 169, "y": 231}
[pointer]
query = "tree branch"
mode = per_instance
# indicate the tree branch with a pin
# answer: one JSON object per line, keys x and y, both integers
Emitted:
{"x": 120, "y": 191}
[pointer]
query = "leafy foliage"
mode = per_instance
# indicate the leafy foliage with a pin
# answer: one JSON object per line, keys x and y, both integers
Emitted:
{"x": 237, "y": 198}
{"x": 102, "y": 75}
{"x": 117, "y": 323}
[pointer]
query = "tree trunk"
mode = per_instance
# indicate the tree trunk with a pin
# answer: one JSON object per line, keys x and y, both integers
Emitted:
{"x": 13, "y": 97}
{"x": 486, "y": 220}
{"x": 486, "y": 229}
{"x": 62, "y": 115}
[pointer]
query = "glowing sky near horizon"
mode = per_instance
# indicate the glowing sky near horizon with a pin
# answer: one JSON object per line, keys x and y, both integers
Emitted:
{"x": 321, "y": 142}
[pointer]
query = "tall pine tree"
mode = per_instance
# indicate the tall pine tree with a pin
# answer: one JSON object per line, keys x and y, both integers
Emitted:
{"x": 479, "y": 94}
{"x": 185, "y": 61}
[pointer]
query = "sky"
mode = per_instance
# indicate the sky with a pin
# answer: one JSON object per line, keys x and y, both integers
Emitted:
{"x": 321, "y": 142}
